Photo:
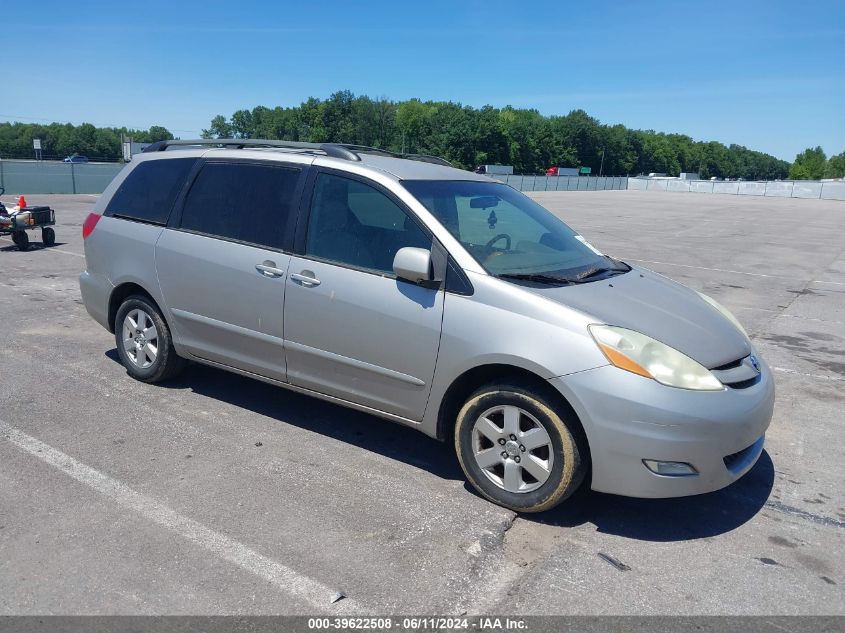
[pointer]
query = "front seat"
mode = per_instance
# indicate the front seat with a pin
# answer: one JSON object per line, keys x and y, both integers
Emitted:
{"x": 336, "y": 229}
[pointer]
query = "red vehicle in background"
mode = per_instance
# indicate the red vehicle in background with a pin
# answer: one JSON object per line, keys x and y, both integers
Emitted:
{"x": 562, "y": 171}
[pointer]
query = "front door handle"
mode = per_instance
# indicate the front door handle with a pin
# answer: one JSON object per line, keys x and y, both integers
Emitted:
{"x": 306, "y": 277}
{"x": 268, "y": 269}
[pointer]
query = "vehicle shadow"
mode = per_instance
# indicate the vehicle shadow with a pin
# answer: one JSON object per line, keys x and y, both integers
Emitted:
{"x": 679, "y": 519}
{"x": 358, "y": 429}
{"x": 33, "y": 246}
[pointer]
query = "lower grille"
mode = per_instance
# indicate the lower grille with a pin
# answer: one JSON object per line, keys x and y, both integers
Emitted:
{"x": 739, "y": 460}
{"x": 742, "y": 384}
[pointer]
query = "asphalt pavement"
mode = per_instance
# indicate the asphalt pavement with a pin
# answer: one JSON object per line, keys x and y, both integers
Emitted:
{"x": 217, "y": 494}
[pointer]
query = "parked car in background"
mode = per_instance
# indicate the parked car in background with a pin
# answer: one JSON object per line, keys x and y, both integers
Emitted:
{"x": 433, "y": 297}
{"x": 76, "y": 158}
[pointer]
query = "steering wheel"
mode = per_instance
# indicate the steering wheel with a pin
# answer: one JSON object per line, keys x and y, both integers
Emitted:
{"x": 500, "y": 236}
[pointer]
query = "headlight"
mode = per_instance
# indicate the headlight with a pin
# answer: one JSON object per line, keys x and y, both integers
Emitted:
{"x": 641, "y": 354}
{"x": 725, "y": 312}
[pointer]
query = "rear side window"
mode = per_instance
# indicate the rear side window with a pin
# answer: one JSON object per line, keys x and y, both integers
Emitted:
{"x": 148, "y": 192}
{"x": 247, "y": 202}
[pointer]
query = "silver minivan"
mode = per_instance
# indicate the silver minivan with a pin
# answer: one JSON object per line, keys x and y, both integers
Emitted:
{"x": 433, "y": 297}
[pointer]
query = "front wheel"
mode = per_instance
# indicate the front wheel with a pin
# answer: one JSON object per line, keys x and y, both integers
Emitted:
{"x": 144, "y": 343}
{"x": 517, "y": 450}
{"x": 48, "y": 236}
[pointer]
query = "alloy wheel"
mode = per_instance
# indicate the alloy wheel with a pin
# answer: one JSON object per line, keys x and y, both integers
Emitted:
{"x": 512, "y": 449}
{"x": 140, "y": 338}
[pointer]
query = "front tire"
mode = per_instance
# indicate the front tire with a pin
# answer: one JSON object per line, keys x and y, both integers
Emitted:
{"x": 144, "y": 342}
{"x": 517, "y": 450}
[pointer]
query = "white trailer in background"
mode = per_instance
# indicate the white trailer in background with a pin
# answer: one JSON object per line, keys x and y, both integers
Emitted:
{"x": 495, "y": 170}
{"x": 130, "y": 148}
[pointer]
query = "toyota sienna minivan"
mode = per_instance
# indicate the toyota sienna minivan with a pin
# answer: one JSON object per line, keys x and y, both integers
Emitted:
{"x": 433, "y": 297}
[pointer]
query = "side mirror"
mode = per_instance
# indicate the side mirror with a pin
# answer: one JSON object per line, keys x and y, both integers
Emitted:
{"x": 414, "y": 265}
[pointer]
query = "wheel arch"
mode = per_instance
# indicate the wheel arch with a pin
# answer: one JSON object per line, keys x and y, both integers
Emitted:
{"x": 461, "y": 388}
{"x": 121, "y": 292}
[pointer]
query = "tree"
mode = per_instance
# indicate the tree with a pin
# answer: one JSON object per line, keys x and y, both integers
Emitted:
{"x": 158, "y": 133}
{"x": 466, "y": 136}
{"x": 242, "y": 124}
{"x": 835, "y": 166}
{"x": 219, "y": 128}
{"x": 412, "y": 119}
{"x": 809, "y": 165}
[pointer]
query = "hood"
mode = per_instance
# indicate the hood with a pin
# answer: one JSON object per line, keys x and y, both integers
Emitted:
{"x": 658, "y": 307}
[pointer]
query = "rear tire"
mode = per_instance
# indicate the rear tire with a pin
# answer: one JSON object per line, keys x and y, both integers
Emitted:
{"x": 21, "y": 239}
{"x": 517, "y": 448}
{"x": 48, "y": 236}
{"x": 144, "y": 342}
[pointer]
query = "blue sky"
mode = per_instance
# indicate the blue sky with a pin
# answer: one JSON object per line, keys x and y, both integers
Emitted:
{"x": 766, "y": 74}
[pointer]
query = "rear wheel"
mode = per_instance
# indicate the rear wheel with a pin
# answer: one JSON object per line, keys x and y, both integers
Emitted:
{"x": 21, "y": 239}
{"x": 517, "y": 450}
{"x": 144, "y": 343}
{"x": 48, "y": 236}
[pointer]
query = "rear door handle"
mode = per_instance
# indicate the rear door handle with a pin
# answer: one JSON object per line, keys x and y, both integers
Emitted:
{"x": 307, "y": 279}
{"x": 268, "y": 269}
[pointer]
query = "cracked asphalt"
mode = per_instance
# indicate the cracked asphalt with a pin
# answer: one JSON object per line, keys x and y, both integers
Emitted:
{"x": 216, "y": 494}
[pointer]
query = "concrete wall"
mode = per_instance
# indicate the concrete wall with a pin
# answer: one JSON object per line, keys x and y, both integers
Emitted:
{"x": 833, "y": 191}
{"x": 564, "y": 183}
{"x": 29, "y": 176}
{"x": 781, "y": 189}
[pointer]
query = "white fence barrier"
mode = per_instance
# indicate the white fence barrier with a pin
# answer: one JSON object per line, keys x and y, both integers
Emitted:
{"x": 28, "y": 176}
{"x": 752, "y": 189}
{"x": 563, "y": 183}
{"x": 833, "y": 191}
{"x": 775, "y": 188}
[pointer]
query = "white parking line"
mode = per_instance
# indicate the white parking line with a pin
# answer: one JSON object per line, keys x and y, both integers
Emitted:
{"x": 285, "y": 578}
{"x": 51, "y": 249}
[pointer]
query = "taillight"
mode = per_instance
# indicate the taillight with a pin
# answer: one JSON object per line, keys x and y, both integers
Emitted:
{"x": 89, "y": 224}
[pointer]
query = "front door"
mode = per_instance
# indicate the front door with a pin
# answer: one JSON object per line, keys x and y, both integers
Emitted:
{"x": 352, "y": 329}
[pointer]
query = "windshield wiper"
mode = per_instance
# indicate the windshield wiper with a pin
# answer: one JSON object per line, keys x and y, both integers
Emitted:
{"x": 599, "y": 270}
{"x": 536, "y": 278}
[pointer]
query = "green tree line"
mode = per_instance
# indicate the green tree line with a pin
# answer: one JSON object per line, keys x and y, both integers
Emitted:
{"x": 812, "y": 164}
{"x": 63, "y": 139}
{"x": 469, "y": 136}
{"x": 464, "y": 135}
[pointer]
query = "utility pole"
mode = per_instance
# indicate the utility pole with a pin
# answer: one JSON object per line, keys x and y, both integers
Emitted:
{"x": 601, "y": 167}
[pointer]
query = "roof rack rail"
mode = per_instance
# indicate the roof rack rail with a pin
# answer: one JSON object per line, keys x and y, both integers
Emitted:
{"x": 329, "y": 149}
{"x": 424, "y": 158}
{"x": 335, "y": 150}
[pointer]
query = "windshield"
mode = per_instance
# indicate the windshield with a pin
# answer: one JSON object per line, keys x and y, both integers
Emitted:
{"x": 509, "y": 234}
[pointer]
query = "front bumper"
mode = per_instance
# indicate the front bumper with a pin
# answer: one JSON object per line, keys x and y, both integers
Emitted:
{"x": 629, "y": 418}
